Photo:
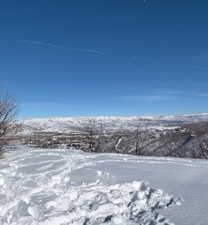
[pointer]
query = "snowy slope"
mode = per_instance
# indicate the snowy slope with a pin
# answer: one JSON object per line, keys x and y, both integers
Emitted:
{"x": 57, "y": 187}
{"x": 66, "y": 124}
{"x": 71, "y": 187}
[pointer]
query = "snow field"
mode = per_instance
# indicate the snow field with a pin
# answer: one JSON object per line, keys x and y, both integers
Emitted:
{"x": 38, "y": 187}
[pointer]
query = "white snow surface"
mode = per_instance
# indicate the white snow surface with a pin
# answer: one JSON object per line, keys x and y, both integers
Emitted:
{"x": 62, "y": 187}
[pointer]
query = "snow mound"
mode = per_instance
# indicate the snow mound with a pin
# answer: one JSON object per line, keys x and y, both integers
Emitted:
{"x": 36, "y": 188}
{"x": 130, "y": 203}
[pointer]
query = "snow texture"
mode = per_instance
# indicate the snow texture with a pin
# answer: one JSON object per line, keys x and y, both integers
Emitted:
{"x": 62, "y": 187}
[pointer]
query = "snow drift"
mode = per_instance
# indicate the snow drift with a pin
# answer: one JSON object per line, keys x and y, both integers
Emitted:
{"x": 39, "y": 187}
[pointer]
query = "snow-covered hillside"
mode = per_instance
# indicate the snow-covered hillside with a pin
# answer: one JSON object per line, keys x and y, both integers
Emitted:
{"x": 62, "y": 187}
{"x": 67, "y": 124}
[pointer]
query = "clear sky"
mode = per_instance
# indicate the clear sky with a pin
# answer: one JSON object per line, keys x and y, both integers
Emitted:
{"x": 105, "y": 57}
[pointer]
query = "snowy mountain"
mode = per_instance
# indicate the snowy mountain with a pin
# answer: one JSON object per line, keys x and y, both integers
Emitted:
{"x": 69, "y": 124}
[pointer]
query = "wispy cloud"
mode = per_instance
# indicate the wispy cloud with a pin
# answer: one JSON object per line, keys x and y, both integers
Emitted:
{"x": 52, "y": 45}
{"x": 200, "y": 67}
{"x": 180, "y": 93}
{"x": 147, "y": 98}
{"x": 169, "y": 92}
{"x": 90, "y": 51}
{"x": 40, "y": 43}
{"x": 46, "y": 109}
{"x": 164, "y": 95}
{"x": 200, "y": 94}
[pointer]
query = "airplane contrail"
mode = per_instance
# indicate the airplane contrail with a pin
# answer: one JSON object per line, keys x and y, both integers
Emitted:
{"x": 51, "y": 45}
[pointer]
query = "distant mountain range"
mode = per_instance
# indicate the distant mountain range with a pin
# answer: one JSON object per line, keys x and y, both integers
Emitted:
{"x": 110, "y": 123}
{"x": 176, "y": 135}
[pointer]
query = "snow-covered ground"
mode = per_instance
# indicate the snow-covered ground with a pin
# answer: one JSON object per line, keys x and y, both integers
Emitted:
{"x": 61, "y": 187}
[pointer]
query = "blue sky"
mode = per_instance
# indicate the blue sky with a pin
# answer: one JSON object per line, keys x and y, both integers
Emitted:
{"x": 106, "y": 57}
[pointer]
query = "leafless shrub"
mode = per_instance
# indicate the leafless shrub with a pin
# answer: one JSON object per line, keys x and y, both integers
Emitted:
{"x": 8, "y": 112}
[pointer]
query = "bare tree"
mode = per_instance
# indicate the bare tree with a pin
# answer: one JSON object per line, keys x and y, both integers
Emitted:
{"x": 204, "y": 149}
{"x": 137, "y": 149}
{"x": 139, "y": 141}
{"x": 92, "y": 130}
{"x": 139, "y": 137}
{"x": 8, "y": 112}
